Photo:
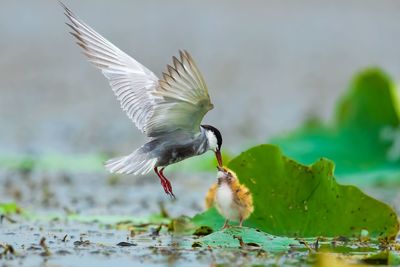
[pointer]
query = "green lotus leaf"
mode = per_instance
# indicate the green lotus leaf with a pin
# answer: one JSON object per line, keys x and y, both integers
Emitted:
{"x": 364, "y": 140}
{"x": 295, "y": 200}
{"x": 247, "y": 238}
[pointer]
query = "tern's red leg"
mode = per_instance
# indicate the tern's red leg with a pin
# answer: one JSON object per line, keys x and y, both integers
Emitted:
{"x": 167, "y": 182}
{"x": 162, "y": 180}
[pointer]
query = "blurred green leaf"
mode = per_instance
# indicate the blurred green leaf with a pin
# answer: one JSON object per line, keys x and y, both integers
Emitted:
{"x": 295, "y": 200}
{"x": 119, "y": 221}
{"x": 385, "y": 257}
{"x": 246, "y": 238}
{"x": 94, "y": 162}
{"x": 370, "y": 103}
{"x": 364, "y": 141}
{"x": 9, "y": 208}
{"x": 393, "y": 258}
{"x": 54, "y": 162}
{"x": 210, "y": 218}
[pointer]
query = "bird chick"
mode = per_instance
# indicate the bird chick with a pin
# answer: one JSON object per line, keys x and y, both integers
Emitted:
{"x": 232, "y": 199}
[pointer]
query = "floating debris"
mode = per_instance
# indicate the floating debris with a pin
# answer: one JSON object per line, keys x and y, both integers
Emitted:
{"x": 46, "y": 251}
{"x": 82, "y": 242}
{"x": 64, "y": 238}
{"x": 126, "y": 244}
{"x": 7, "y": 249}
{"x": 203, "y": 231}
{"x": 154, "y": 232}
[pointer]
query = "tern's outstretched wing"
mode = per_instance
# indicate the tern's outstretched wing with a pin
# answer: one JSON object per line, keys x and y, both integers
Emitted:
{"x": 182, "y": 98}
{"x": 130, "y": 81}
{"x": 178, "y": 101}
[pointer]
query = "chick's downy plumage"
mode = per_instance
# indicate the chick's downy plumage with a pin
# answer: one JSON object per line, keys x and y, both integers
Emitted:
{"x": 232, "y": 199}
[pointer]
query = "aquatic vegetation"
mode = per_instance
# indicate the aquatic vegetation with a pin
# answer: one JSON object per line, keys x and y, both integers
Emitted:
{"x": 9, "y": 208}
{"x": 247, "y": 238}
{"x": 363, "y": 139}
{"x": 291, "y": 199}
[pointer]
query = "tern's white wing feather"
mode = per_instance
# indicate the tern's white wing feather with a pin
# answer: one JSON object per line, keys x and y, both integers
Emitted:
{"x": 182, "y": 98}
{"x": 177, "y": 102}
{"x": 131, "y": 81}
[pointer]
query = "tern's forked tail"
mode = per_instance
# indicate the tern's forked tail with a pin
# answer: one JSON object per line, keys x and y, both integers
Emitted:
{"x": 135, "y": 163}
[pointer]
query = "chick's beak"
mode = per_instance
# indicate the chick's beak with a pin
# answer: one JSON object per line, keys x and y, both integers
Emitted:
{"x": 219, "y": 168}
{"x": 219, "y": 158}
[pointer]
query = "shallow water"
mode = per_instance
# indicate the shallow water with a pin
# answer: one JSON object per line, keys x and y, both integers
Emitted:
{"x": 83, "y": 207}
{"x": 86, "y": 195}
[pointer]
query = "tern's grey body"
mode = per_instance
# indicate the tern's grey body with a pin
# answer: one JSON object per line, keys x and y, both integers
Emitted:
{"x": 164, "y": 150}
{"x": 168, "y": 110}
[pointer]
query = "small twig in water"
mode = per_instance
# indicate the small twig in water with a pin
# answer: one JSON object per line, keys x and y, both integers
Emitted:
{"x": 6, "y": 217}
{"x": 307, "y": 245}
{"x": 7, "y": 249}
{"x": 46, "y": 251}
{"x": 316, "y": 244}
{"x": 65, "y": 238}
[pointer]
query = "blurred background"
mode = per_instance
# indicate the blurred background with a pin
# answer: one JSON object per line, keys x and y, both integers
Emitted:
{"x": 269, "y": 66}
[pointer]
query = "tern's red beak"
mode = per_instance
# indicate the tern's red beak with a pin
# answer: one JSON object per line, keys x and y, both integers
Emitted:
{"x": 219, "y": 157}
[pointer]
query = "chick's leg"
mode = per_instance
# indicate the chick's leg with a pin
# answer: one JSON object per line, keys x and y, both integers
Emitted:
{"x": 241, "y": 222}
{"x": 226, "y": 224}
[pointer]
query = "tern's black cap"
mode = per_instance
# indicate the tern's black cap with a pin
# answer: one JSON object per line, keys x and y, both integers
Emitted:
{"x": 216, "y": 133}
